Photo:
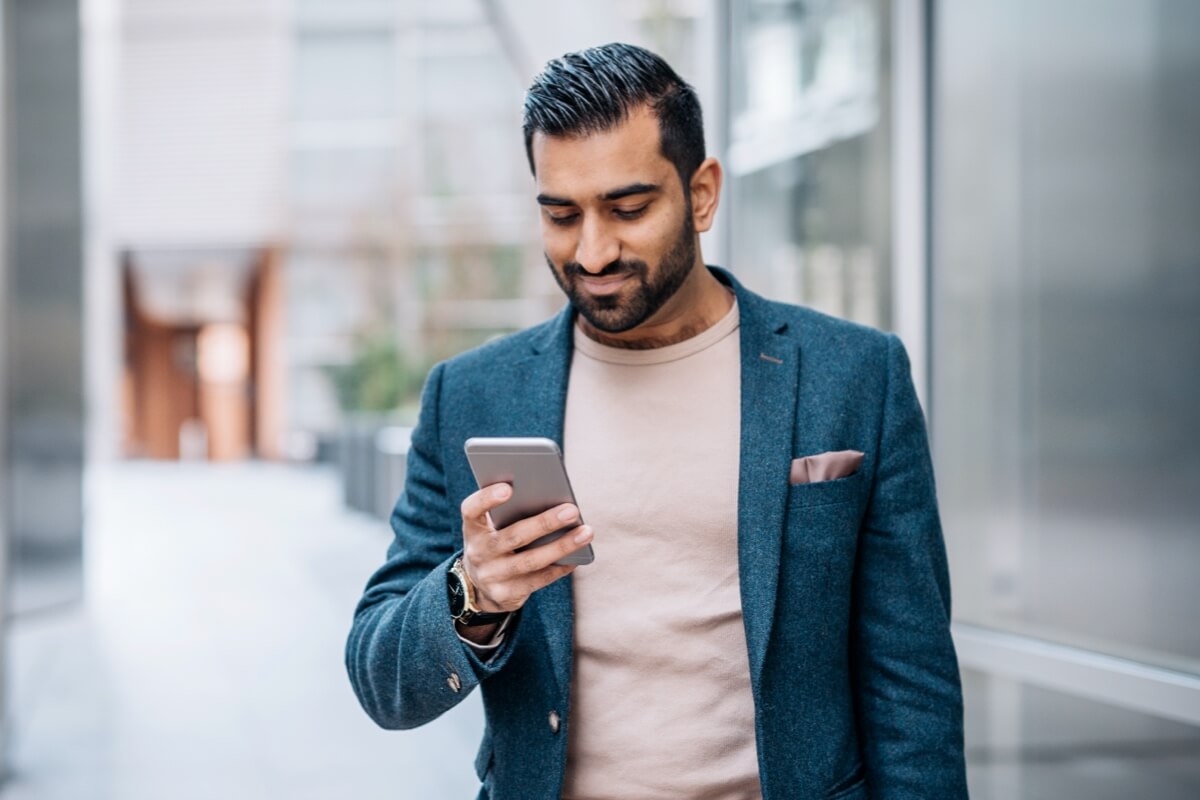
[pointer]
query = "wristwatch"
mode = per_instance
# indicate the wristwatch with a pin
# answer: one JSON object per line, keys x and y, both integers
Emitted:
{"x": 462, "y": 599}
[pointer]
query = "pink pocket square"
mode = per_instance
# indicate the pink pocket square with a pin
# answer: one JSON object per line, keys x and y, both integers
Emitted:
{"x": 825, "y": 466}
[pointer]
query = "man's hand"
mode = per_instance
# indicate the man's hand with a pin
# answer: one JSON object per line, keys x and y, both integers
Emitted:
{"x": 504, "y": 579}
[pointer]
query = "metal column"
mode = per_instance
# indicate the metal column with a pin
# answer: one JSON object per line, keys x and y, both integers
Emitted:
{"x": 43, "y": 303}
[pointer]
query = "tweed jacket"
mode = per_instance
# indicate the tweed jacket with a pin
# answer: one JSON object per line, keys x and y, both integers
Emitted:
{"x": 844, "y": 583}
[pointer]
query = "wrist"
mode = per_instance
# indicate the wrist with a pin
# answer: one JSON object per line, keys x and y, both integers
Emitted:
{"x": 477, "y": 634}
{"x": 464, "y": 608}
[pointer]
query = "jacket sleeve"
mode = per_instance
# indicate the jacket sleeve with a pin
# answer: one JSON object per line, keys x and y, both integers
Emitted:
{"x": 908, "y": 694}
{"x": 405, "y": 660}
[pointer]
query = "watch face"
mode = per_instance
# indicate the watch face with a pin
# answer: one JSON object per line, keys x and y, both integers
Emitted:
{"x": 458, "y": 595}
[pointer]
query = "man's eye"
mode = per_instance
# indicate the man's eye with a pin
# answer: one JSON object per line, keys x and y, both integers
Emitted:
{"x": 564, "y": 219}
{"x": 630, "y": 213}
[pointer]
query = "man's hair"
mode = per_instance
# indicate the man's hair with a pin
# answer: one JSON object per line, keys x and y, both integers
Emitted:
{"x": 595, "y": 90}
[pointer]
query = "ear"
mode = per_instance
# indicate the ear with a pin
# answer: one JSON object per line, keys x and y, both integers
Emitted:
{"x": 706, "y": 193}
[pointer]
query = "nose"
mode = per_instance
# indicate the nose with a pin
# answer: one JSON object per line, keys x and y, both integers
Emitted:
{"x": 597, "y": 247}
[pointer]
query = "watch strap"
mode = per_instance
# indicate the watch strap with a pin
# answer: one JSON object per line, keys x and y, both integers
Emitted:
{"x": 471, "y": 619}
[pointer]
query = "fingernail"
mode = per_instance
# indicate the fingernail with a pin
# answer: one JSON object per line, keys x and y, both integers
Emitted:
{"x": 567, "y": 514}
{"x": 584, "y": 534}
{"x": 501, "y": 491}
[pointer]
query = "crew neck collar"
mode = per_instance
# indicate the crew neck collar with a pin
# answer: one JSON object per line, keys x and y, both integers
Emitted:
{"x": 659, "y": 355}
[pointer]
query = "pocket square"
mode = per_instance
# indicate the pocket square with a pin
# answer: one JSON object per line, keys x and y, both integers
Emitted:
{"x": 825, "y": 466}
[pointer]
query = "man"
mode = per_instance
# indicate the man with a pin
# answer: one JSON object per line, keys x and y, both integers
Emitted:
{"x": 768, "y": 611}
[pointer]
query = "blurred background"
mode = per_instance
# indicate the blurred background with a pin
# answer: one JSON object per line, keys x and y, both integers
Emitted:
{"x": 234, "y": 236}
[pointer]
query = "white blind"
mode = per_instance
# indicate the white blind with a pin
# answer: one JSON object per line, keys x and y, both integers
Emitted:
{"x": 202, "y": 106}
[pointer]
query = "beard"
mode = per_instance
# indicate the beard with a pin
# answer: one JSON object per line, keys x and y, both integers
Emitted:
{"x": 625, "y": 310}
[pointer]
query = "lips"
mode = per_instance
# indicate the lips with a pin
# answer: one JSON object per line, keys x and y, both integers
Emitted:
{"x": 607, "y": 285}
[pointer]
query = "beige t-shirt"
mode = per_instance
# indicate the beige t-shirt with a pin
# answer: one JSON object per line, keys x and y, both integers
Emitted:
{"x": 660, "y": 697}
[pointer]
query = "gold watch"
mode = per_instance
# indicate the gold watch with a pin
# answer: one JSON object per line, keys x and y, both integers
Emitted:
{"x": 462, "y": 599}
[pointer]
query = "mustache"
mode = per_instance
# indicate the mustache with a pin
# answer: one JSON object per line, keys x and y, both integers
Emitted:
{"x": 573, "y": 269}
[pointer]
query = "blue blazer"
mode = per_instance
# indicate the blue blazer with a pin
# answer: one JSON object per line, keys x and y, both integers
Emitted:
{"x": 844, "y": 584}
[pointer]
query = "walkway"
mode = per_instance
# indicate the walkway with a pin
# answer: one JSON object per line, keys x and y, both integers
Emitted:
{"x": 206, "y": 661}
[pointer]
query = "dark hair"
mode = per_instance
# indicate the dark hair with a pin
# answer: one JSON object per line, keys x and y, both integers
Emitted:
{"x": 594, "y": 90}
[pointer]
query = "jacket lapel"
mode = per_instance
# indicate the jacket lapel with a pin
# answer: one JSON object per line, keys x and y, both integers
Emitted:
{"x": 770, "y": 377}
{"x": 545, "y": 387}
{"x": 770, "y": 380}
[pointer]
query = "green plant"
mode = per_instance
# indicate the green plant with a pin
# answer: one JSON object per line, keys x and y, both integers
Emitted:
{"x": 379, "y": 376}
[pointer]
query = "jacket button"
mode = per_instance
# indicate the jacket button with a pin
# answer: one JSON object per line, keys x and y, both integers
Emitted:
{"x": 554, "y": 721}
{"x": 453, "y": 682}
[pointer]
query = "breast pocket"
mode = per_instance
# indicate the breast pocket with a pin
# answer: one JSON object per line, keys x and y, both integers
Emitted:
{"x": 823, "y": 519}
{"x": 823, "y": 493}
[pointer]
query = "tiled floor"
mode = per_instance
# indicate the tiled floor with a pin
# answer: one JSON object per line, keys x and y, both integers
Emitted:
{"x": 206, "y": 660}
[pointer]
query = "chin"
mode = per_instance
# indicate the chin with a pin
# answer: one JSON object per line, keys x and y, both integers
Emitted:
{"x": 608, "y": 322}
{"x": 610, "y": 316}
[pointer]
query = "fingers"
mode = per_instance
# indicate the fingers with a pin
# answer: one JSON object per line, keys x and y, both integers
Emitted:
{"x": 505, "y": 582}
{"x": 511, "y": 595}
{"x": 497, "y": 568}
{"x": 476, "y": 506}
{"x": 504, "y": 579}
{"x": 543, "y": 578}
{"x": 475, "y": 510}
{"x": 526, "y": 531}
{"x": 536, "y": 559}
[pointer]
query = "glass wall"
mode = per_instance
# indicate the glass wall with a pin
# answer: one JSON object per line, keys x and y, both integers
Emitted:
{"x": 809, "y": 156}
{"x": 1066, "y": 399}
{"x": 1025, "y": 742}
{"x": 1066, "y": 301}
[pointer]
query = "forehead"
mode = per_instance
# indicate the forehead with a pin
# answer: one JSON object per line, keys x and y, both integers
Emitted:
{"x": 585, "y": 166}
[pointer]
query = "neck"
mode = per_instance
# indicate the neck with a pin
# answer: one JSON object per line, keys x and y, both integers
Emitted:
{"x": 699, "y": 304}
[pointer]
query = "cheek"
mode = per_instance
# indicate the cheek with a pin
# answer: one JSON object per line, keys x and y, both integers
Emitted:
{"x": 659, "y": 237}
{"x": 557, "y": 243}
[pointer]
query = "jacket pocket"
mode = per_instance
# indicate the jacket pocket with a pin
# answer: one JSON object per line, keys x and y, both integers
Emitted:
{"x": 822, "y": 493}
{"x": 483, "y": 759}
{"x": 851, "y": 787}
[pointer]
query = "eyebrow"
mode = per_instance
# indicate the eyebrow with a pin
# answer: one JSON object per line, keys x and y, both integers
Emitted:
{"x": 608, "y": 197}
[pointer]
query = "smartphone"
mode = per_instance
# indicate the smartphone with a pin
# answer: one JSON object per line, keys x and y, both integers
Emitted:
{"x": 533, "y": 466}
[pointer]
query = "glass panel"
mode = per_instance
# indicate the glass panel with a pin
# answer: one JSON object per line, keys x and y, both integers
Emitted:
{"x": 1066, "y": 393}
{"x": 343, "y": 183}
{"x": 797, "y": 56}
{"x": 816, "y": 230}
{"x": 810, "y": 157}
{"x": 345, "y": 75}
{"x": 1033, "y": 743}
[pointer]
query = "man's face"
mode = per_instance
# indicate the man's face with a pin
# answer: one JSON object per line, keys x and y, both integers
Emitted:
{"x": 616, "y": 226}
